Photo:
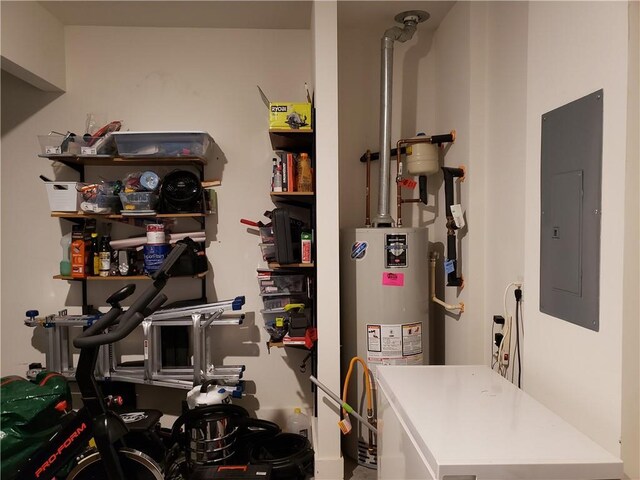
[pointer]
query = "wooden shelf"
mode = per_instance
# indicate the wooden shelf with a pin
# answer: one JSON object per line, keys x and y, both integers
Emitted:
{"x": 125, "y": 217}
{"x": 289, "y": 343}
{"x": 301, "y": 199}
{"x": 274, "y": 265}
{"x": 105, "y": 160}
{"x": 120, "y": 277}
{"x": 292, "y": 194}
{"x": 292, "y": 140}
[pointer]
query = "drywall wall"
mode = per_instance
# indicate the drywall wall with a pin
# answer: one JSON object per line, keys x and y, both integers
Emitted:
{"x": 33, "y": 45}
{"x": 506, "y": 69}
{"x": 459, "y": 46}
{"x": 631, "y": 277}
{"x": 160, "y": 79}
{"x": 574, "y": 371}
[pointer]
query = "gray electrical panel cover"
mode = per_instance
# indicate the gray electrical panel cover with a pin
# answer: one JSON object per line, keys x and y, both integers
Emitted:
{"x": 571, "y": 184}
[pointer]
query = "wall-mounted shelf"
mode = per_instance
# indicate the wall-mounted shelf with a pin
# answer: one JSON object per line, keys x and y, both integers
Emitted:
{"x": 125, "y": 217}
{"x": 78, "y": 161}
{"x": 119, "y": 277}
{"x": 291, "y": 140}
{"x": 303, "y": 198}
{"x": 275, "y": 266}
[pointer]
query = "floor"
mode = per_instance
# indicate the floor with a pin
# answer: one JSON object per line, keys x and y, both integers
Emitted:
{"x": 353, "y": 471}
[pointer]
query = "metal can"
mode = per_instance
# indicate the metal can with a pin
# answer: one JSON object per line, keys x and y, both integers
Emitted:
{"x": 305, "y": 239}
{"x": 155, "y": 234}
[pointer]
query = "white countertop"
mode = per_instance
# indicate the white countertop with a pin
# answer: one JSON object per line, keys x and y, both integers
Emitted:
{"x": 470, "y": 420}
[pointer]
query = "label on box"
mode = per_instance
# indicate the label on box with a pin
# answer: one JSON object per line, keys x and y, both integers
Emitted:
{"x": 88, "y": 151}
{"x": 295, "y": 116}
{"x": 53, "y": 150}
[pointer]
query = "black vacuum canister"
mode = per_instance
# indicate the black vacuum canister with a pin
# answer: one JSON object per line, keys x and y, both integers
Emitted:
{"x": 237, "y": 472}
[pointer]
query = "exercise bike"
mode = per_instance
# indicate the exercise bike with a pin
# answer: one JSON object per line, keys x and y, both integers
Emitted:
{"x": 112, "y": 460}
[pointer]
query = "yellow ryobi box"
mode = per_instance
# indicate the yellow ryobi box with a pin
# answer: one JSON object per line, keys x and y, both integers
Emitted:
{"x": 293, "y": 116}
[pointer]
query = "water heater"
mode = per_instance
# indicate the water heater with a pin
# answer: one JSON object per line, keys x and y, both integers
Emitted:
{"x": 384, "y": 309}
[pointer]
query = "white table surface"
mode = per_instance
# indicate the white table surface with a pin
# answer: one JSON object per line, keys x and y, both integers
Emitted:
{"x": 470, "y": 420}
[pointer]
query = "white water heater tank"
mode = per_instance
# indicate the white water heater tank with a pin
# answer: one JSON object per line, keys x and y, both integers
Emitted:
{"x": 384, "y": 309}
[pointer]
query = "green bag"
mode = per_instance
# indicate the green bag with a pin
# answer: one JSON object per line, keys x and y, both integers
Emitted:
{"x": 28, "y": 416}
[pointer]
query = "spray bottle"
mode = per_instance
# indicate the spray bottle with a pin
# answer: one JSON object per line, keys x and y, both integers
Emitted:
{"x": 65, "y": 263}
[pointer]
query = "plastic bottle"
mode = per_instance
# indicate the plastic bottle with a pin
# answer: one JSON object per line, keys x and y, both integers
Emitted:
{"x": 304, "y": 178}
{"x": 105, "y": 256}
{"x": 298, "y": 422}
{"x": 65, "y": 263}
{"x": 277, "y": 180}
{"x": 95, "y": 255}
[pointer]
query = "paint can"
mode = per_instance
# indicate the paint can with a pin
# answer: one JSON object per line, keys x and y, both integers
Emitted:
{"x": 154, "y": 255}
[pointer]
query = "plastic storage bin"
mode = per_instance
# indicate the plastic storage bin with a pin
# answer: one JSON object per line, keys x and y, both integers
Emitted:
{"x": 63, "y": 196}
{"x": 268, "y": 252}
{"x": 162, "y": 144}
{"x": 282, "y": 284}
{"x": 55, "y": 144}
{"x": 137, "y": 201}
{"x": 266, "y": 235}
{"x": 104, "y": 204}
{"x": 274, "y": 305}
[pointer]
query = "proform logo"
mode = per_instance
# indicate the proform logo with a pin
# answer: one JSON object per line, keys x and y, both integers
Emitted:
{"x": 63, "y": 446}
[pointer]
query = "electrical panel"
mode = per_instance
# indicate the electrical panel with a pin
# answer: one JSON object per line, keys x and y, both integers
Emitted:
{"x": 571, "y": 178}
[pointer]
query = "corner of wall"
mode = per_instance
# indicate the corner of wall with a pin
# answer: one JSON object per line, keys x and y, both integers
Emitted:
{"x": 38, "y": 59}
{"x": 631, "y": 276}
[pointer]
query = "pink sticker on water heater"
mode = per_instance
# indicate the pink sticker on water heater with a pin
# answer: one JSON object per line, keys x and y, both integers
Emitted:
{"x": 393, "y": 279}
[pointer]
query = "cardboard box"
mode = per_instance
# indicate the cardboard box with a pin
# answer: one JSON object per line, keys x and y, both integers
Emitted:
{"x": 290, "y": 116}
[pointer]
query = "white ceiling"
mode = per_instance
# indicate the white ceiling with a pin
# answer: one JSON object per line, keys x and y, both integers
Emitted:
{"x": 283, "y": 14}
{"x": 379, "y": 15}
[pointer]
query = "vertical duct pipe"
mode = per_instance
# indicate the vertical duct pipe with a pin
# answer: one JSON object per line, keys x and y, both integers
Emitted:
{"x": 410, "y": 20}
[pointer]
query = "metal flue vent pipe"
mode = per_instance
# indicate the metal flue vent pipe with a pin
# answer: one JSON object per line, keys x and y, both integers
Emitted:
{"x": 410, "y": 21}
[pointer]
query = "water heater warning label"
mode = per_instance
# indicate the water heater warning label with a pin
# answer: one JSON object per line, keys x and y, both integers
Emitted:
{"x": 398, "y": 344}
{"x": 395, "y": 250}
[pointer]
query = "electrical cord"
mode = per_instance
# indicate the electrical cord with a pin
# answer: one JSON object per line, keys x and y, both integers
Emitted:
{"x": 505, "y": 344}
{"x": 518, "y": 295}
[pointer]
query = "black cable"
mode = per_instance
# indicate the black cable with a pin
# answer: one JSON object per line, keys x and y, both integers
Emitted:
{"x": 518, "y": 294}
{"x": 493, "y": 336}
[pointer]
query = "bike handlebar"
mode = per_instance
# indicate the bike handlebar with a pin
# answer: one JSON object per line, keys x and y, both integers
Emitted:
{"x": 145, "y": 304}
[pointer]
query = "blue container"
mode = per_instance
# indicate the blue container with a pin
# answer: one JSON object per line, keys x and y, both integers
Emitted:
{"x": 154, "y": 255}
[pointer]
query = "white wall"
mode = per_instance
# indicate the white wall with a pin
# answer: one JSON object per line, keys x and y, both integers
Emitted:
{"x": 575, "y": 49}
{"x": 460, "y": 106}
{"x": 505, "y": 184}
{"x": 631, "y": 326}
{"x": 160, "y": 79}
{"x": 37, "y": 58}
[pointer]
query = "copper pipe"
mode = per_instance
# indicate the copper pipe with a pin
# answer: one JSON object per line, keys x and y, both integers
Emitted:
{"x": 367, "y": 220}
